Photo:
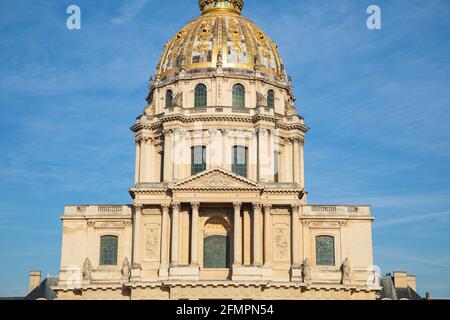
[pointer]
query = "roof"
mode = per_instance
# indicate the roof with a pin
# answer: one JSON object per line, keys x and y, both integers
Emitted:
{"x": 390, "y": 292}
{"x": 44, "y": 290}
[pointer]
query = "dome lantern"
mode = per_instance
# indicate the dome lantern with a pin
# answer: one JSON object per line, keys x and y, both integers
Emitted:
{"x": 221, "y": 5}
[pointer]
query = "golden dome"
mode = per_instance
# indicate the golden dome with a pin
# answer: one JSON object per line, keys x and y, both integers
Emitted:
{"x": 221, "y": 38}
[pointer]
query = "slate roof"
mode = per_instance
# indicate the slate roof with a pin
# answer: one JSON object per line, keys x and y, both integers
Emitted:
{"x": 44, "y": 290}
{"x": 390, "y": 292}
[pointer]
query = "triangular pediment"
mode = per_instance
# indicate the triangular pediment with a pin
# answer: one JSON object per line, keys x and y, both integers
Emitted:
{"x": 216, "y": 178}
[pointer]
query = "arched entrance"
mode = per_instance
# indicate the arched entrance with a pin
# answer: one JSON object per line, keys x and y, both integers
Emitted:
{"x": 216, "y": 244}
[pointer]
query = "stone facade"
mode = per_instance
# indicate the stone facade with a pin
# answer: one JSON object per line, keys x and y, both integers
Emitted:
{"x": 217, "y": 233}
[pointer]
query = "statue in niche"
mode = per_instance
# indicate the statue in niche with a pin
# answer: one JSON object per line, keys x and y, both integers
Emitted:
{"x": 306, "y": 271}
{"x": 346, "y": 272}
{"x": 126, "y": 270}
{"x": 178, "y": 100}
{"x": 261, "y": 99}
{"x": 87, "y": 270}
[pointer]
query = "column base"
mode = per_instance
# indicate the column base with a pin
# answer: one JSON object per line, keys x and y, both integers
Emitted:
{"x": 186, "y": 273}
{"x": 296, "y": 274}
{"x": 136, "y": 269}
{"x": 267, "y": 272}
{"x": 247, "y": 273}
{"x": 163, "y": 273}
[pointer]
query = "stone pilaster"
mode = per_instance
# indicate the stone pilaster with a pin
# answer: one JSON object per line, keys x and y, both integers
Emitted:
{"x": 164, "y": 265}
{"x": 168, "y": 156}
{"x": 296, "y": 274}
{"x": 194, "y": 234}
{"x": 175, "y": 259}
{"x": 257, "y": 236}
{"x": 237, "y": 261}
{"x": 137, "y": 225}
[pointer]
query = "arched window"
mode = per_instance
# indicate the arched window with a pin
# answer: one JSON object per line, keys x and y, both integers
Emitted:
{"x": 239, "y": 159}
{"x": 238, "y": 96}
{"x": 108, "y": 250}
{"x": 271, "y": 99}
{"x": 198, "y": 159}
{"x": 216, "y": 244}
{"x": 201, "y": 96}
{"x": 325, "y": 251}
{"x": 169, "y": 99}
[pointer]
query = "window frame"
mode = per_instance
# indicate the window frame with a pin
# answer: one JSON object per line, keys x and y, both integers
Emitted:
{"x": 200, "y": 98}
{"x": 169, "y": 99}
{"x": 236, "y": 168}
{"x": 271, "y": 99}
{"x": 238, "y": 98}
{"x": 114, "y": 258}
{"x": 198, "y": 168}
{"x": 319, "y": 263}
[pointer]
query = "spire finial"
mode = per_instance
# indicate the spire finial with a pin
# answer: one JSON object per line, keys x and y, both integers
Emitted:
{"x": 221, "y": 5}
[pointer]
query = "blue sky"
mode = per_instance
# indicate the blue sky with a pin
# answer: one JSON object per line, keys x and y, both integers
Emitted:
{"x": 378, "y": 104}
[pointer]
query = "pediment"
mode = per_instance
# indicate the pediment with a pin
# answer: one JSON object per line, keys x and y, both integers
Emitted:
{"x": 216, "y": 179}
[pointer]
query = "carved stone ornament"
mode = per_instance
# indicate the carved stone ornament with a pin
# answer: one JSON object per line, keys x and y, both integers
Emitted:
{"x": 346, "y": 272}
{"x": 87, "y": 270}
{"x": 178, "y": 100}
{"x": 261, "y": 99}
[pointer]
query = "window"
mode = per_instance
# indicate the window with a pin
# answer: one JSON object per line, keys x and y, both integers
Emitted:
{"x": 325, "y": 251}
{"x": 198, "y": 159}
{"x": 276, "y": 162}
{"x": 169, "y": 99}
{"x": 239, "y": 160}
{"x": 108, "y": 250}
{"x": 201, "y": 96}
{"x": 238, "y": 96}
{"x": 271, "y": 99}
{"x": 216, "y": 252}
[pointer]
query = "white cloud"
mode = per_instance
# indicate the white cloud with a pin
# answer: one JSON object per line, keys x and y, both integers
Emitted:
{"x": 129, "y": 10}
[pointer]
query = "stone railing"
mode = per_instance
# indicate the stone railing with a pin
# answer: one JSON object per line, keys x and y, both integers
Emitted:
{"x": 336, "y": 210}
{"x": 219, "y": 110}
{"x": 98, "y": 210}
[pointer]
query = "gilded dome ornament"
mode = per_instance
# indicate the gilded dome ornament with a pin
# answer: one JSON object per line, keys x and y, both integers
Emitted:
{"x": 221, "y": 38}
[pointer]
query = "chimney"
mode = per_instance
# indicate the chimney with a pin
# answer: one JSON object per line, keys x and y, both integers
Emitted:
{"x": 35, "y": 280}
{"x": 400, "y": 279}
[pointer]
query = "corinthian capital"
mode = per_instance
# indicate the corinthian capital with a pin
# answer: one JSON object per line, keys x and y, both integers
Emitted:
{"x": 237, "y": 206}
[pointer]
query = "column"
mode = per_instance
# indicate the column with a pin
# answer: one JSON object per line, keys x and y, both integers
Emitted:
{"x": 175, "y": 234}
{"x": 136, "y": 264}
{"x": 237, "y": 261}
{"x": 295, "y": 238}
{"x": 177, "y": 156}
{"x": 302, "y": 164}
{"x": 262, "y": 155}
{"x": 195, "y": 233}
{"x": 267, "y": 235}
{"x": 271, "y": 153}
{"x": 165, "y": 237}
{"x": 168, "y": 156}
{"x": 144, "y": 161}
{"x": 257, "y": 248}
{"x": 137, "y": 164}
{"x": 296, "y": 161}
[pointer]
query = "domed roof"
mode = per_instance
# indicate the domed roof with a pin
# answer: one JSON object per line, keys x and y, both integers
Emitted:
{"x": 221, "y": 38}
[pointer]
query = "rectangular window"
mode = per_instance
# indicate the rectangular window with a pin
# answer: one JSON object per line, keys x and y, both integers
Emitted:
{"x": 198, "y": 159}
{"x": 108, "y": 250}
{"x": 239, "y": 160}
{"x": 325, "y": 251}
